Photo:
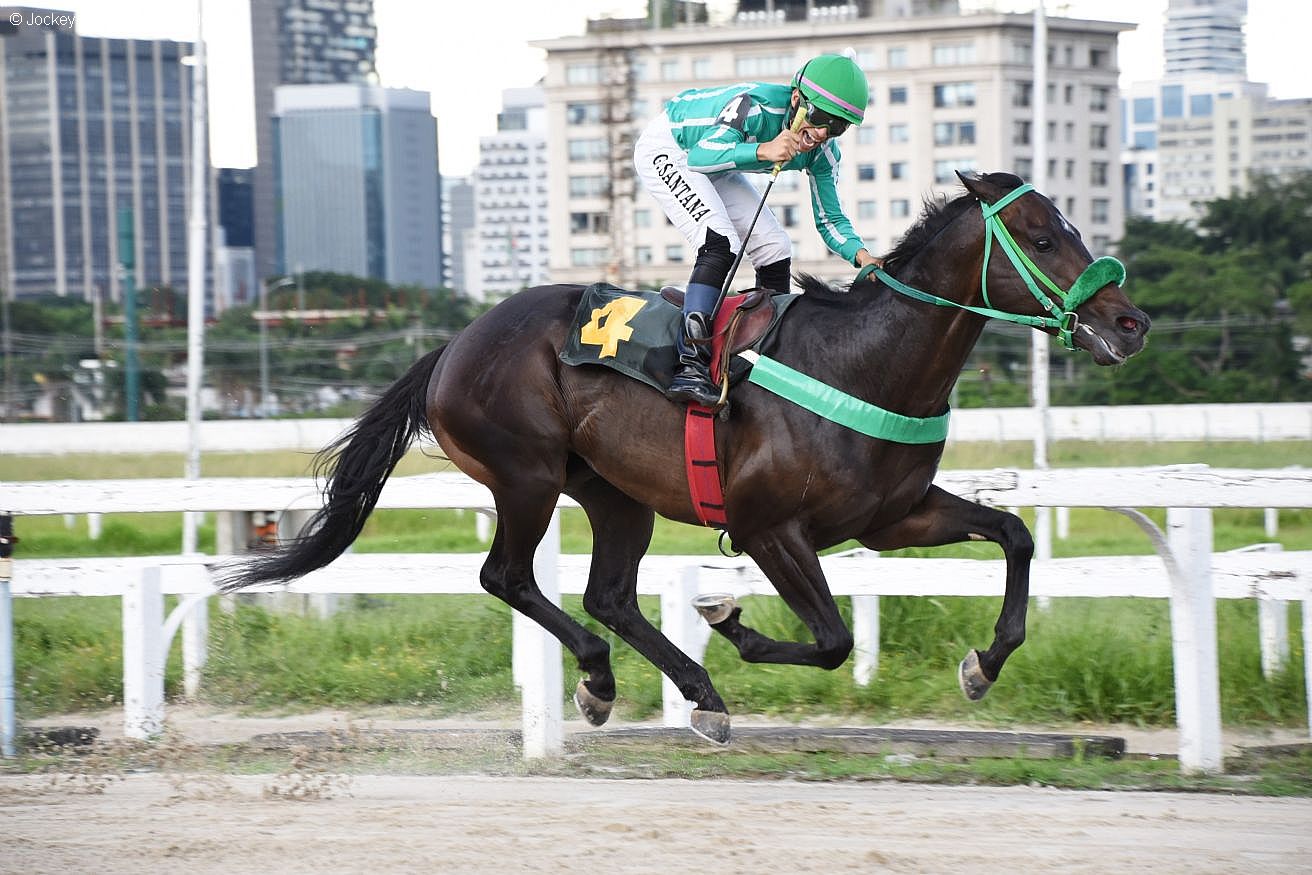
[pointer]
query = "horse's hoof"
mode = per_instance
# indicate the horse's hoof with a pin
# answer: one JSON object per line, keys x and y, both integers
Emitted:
{"x": 711, "y": 725}
{"x": 594, "y": 710}
{"x": 971, "y": 677}
{"x": 714, "y": 607}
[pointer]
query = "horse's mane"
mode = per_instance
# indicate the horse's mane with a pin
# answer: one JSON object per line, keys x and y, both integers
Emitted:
{"x": 937, "y": 212}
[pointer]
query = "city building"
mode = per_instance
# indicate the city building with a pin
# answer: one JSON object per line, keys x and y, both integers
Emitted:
{"x": 457, "y": 226}
{"x": 509, "y": 248}
{"x": 234, "y": 245}
{"x": 949, "y": 92}
{"x": 1203, "y": 130}
{"x": 91, "y": 130}
{"x": 300, "y": 42}
{"x": 357, "y": 183}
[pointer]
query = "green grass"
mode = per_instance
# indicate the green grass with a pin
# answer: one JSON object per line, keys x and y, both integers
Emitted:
{"x": 1097, "y": 660}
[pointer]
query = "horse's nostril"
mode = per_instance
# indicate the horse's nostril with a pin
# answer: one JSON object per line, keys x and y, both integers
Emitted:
{"x": 1128, "y": 323}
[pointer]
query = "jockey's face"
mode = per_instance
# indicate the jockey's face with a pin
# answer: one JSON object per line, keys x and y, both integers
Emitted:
{"x": 817, "y": 125}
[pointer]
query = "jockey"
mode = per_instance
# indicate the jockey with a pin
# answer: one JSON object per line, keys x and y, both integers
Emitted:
{"x": 692, "y": 158}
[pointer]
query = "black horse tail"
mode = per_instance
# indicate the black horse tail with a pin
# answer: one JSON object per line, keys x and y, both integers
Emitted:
{"x": 357, "y": 465}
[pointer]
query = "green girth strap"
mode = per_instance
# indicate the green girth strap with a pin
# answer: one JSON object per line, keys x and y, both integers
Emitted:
{"x": 838, "y": 406}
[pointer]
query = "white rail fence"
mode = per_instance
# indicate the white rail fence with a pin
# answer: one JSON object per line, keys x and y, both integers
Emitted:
{"x": 1137, "y": 422}
{"x": 1186, "y": 571}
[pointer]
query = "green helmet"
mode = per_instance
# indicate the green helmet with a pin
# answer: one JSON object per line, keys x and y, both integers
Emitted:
{"x": 835, "y": 84}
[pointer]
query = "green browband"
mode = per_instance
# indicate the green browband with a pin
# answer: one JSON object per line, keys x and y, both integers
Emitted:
{"x": 842, "y": 408}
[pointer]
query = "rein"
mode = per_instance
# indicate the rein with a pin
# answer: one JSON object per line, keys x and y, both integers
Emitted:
{"x": 1063, "y": 320}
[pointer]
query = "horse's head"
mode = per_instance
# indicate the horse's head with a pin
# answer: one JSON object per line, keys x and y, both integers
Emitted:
{"x": 1038, "y": 265}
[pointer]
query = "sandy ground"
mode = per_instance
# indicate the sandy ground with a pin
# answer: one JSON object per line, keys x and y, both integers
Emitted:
{"x": 154, "y": 823}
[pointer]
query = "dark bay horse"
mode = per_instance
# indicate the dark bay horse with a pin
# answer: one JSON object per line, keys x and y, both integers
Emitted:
{"x": 509, "y": 414}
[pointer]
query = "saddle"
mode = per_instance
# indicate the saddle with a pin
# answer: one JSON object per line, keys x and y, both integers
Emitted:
{"x": 739, "y": 324}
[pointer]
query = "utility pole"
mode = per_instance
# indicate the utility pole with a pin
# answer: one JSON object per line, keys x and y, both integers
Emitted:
{"x": 127, "y": 259}
{"x": 196, "y": 242}
{"x": 1039, "y": 340}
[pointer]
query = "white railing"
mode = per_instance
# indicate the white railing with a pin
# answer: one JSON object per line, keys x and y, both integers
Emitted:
{"x": 1188, "y": 573}
{"x": 1135, "y": 422}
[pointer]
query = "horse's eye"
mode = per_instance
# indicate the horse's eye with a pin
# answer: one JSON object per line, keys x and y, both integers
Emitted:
{"x": 1043, "y": 244}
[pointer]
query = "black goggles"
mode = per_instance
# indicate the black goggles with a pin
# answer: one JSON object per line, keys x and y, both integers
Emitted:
{"x": 818, "y": 118}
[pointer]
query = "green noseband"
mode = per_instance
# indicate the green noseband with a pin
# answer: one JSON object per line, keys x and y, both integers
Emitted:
{"x": 1097, "y": 275}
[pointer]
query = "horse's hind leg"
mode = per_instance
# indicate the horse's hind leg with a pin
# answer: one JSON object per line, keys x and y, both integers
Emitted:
{"x": 621, "y": 529}
{"x": 789, "y": 561}
{"x": 523, "y": 515}
{"x": 944, "y": 518}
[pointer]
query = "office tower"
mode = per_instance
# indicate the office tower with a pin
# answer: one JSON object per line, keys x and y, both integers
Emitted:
{"x": 90, "y": 127}
{"x": 300, "y": 42}
{"x": 356, "y": 181}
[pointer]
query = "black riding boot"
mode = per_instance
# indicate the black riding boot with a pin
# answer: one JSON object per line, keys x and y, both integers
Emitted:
{"x": 692, "y": 377}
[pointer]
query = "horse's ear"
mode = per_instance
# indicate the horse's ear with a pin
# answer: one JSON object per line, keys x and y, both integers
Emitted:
{"x": 980, "y": 187}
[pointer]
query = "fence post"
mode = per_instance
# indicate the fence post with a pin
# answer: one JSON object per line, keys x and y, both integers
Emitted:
{"x": 1273, "y": 628}
{"x": 143, "y": 659}
{"x": 681, "y": 623}
{"x": 540, "y": 674}
{"x": 865, "y": 634}
{"x": 195, "y": 638}
{"x": 1193, "y": 639}
{"x": 1307, "y": 649}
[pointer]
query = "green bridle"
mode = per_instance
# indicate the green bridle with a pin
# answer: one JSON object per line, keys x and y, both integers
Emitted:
{"x": 1063, "y": 319}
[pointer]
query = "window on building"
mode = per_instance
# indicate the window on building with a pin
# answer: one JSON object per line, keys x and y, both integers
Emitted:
{"x": 1099, "y": 58}
{"x": 866, "y": 134}
{"x": 1020, "y": 133}
{"x": 1024, "y": 168}
{"x": 899, "y": 133}
{"x": 1022, "y": 94}
{"x": 788, "y": 215}
{"x": 1145, "y": 139}
{"x": 669, "y": 69}
{"x": 585, "y": 112}
{"x": 865, "y": 59}
{"x": 954, "y": 133}
{"x": 897, "y": 56}
{"x": 1172, "y": 101}
{"x": 897, "y": 170}
{"x": 589, "y": 257}
{"x": 946, "y": 171}
{"x": 1068, "y": 94}
{"x": 1099, "y": 210}
{"x": 587, "y": 186}
{"x": 1200, "y": 105}
{"x": 1098, "y": 172}
{"x": 1099, "y": 98}
{"x": 582, "y": 73}
{"x": 865, "y": 172}
{"x": 1022, "y": 53}
{"x": 953, "y": 54}
{"x": 1069, "y": 132}
{"x": 1070, "y": 168}
{"x": 589, "y": 223}
{"x": 674, "y": 253}
{"x": 763, "y": 66}
{"x": 897, "y": 94}
{"x": 701, "y": 69}
{"x": 642, "y": 218}
{"x": 953, "y": 94}
{"x": 642, "y": 254}
{"x": 899, "y": 208}
{"x": 1097, "y": 136}
{"x": 587, "y": 149}
{"x": 866, "y": 210}
{"x": 1145, "y": 112}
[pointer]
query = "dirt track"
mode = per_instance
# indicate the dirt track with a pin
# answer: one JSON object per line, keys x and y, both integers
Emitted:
{"x": 152, "y": 822}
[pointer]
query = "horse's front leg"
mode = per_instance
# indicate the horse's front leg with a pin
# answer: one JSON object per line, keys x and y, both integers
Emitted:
{"x": 789, "y": 560}
{"x": 943, "y": 518}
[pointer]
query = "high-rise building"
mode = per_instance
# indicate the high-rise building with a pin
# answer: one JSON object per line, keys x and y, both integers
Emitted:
{"x": 356, "y": 178}
{"x": 235, "y": 282}
{"x": 90, "y": 127}
{"x": 1205, "y": 36}
{"x": 1203, "y": 130}
{"x": 949, "y": 92}
{"x": 457, "y": 226}
{"x": 510, "y": 241}
{"x": 300, "y": 42}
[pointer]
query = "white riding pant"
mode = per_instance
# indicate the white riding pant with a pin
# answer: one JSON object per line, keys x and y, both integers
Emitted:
{"x": 724, "y": 202}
